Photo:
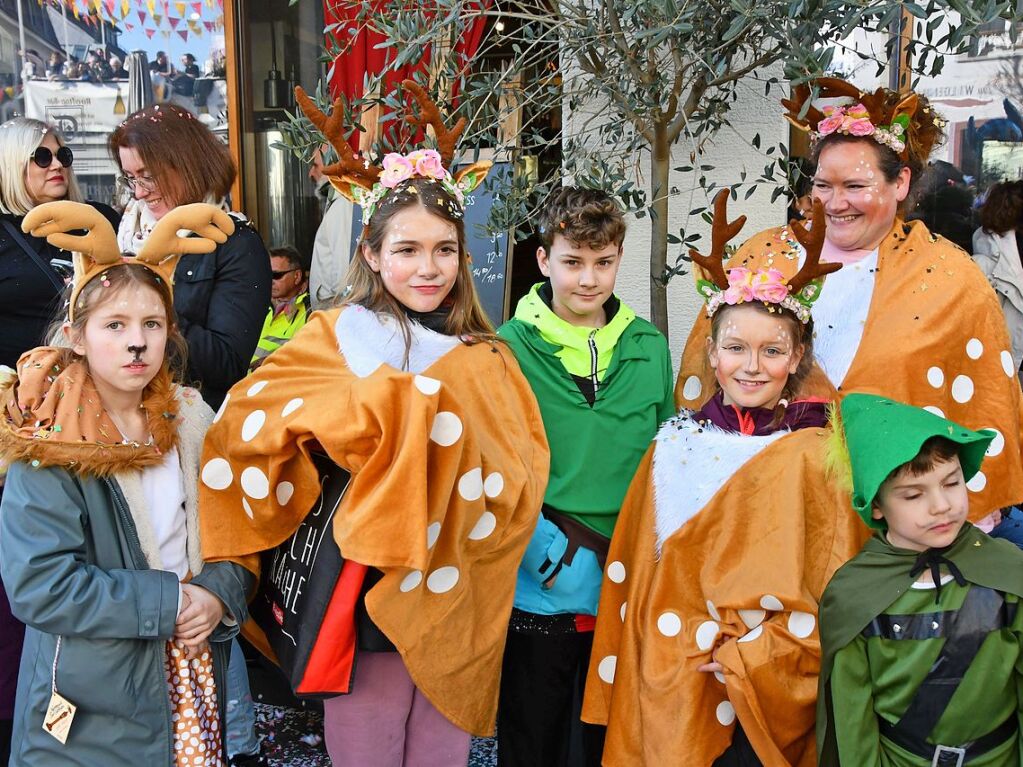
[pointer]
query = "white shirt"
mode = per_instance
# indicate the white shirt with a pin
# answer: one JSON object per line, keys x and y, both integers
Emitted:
{"x": 840, "y": 314}
{"x": 164, "y": 491}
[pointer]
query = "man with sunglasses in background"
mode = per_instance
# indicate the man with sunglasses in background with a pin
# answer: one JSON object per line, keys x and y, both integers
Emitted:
{"x": 289, "y": 294}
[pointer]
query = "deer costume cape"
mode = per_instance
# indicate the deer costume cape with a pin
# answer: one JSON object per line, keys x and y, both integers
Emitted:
{"x": 700, "y": 566}
{"x": 448, "y": 459}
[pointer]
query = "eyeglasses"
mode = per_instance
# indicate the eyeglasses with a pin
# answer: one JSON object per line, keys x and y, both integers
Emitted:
{"x": 43, "y": 157}
{"x": 278, "y": 275}
{"x": 147, "y": 183}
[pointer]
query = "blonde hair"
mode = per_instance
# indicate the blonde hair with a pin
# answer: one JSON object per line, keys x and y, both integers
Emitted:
{"x": 467, "y": 320}
{"x": 19, "y": 138}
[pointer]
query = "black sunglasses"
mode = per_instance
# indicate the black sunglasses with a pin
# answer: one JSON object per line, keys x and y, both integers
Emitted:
{"x": 278, "y": 275}
{"x": 43, "y": 157}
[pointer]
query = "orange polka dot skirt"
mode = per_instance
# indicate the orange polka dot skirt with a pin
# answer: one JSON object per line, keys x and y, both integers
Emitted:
{"x": 194, "y": 718}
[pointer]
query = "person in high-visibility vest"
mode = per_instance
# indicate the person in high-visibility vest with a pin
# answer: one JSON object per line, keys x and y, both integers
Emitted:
{"x": 290, "y": 302}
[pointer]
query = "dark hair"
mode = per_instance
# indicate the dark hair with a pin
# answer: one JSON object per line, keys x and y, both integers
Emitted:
{"x": 114, "y": 280}
{"x": 189, "y": 163}
{"x": 934, "y": 451}
{"x": 289, "y": 252}
{"x": 1003, "y": 209}
{"x": 582, "y": 216}
{"x": 926, "y": 131}
{"x": 802, "y": 335}
{"x": 467, "y": 320}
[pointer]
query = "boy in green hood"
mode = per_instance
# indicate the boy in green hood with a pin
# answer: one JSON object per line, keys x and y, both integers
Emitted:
{"x": 921, "y": 633}
{"x": 603, "y": 379}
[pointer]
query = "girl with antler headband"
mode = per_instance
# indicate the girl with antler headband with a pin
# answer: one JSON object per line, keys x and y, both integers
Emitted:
{"x": 910, "y": 316}
{"x": 705, "y": 650}
{"x": 406, "y": 389}
{"x": 99, "y": 542}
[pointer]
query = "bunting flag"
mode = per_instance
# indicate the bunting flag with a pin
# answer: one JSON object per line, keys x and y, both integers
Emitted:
{"x": 157, "y": 19}
{"x": 149, "y": 32}
{"x": 195, "y": 27}
{"x": 125, "y": 8}
{"x": 173, "y": 22}
{"x": 151, "y": 5}
{"x": 184, "y": 34}
{"x": 165, "y": 33}
{"x": 180, "y": 8}
{"x": 210, "y": 25}
{"x": 129, "y": 26}
{"x": 197, "y": 7}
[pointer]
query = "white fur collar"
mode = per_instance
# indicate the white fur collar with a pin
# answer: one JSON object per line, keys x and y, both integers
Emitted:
{"x": 368, "y": 340}
{"x": 691, "y": 463}
{"x": 194, "y": 418}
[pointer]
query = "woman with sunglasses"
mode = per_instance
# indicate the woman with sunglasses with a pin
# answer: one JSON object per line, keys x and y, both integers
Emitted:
{"x": 35, "y": 167}
{"x": 169, "y": 158}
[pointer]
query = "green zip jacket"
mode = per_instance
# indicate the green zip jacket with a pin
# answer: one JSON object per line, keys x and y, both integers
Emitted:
{"x": 594, "y": 449}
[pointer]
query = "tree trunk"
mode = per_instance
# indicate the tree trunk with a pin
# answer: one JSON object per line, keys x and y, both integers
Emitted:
{"x": 660, "y": 167}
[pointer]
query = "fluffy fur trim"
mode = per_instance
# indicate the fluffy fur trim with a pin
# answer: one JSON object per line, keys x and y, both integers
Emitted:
{"x": 368, "y": 340}
{"x": 20, "y": 441}
{"x": 692, "y": 462}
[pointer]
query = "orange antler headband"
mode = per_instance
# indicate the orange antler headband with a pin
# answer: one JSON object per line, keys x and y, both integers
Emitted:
{"x": 365, "y": 184}
{"x": 741, "y": 285}
{"x": 96, "y": 251}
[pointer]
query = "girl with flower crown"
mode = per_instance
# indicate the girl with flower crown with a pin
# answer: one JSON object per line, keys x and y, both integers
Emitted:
{"x": 406, "y": 388}
{"x": 705, "y": 648}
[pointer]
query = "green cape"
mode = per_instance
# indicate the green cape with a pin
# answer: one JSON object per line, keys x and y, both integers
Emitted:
{"x": 865, "y": 586}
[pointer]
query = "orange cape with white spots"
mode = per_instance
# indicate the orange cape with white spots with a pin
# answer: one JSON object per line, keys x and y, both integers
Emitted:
{"x": 934, "y": 337}
{"x": 740, "y": 576}
{"x": 449, "y": 466}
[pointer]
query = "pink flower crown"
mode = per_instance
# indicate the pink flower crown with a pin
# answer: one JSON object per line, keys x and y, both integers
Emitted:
{"x": 854, "y": 120}
{"x": 768, "y": 286}
{"x": 422, "y": 163}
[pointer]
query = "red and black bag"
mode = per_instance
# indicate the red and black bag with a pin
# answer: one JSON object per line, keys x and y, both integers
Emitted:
{"x": 307, "y": 597}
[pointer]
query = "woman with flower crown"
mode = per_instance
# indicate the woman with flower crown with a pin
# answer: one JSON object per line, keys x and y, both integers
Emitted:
{"x": 405, "y": 387}
{"x": 705, "y": 648}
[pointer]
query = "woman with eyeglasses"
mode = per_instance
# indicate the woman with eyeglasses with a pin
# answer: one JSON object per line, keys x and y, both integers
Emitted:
{"x": 35, "y": 167}
{"x": 169, "y": 158}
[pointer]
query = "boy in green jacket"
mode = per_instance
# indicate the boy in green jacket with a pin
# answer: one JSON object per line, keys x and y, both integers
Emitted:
{"x": 603, "y": 380}
{"x": 921, "y": 632}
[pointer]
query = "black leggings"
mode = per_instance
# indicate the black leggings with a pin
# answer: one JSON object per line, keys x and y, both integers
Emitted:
{"x": 740, "y": 753}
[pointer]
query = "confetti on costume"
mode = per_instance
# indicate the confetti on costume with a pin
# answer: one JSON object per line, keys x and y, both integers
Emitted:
{"x": 704, "y": 568}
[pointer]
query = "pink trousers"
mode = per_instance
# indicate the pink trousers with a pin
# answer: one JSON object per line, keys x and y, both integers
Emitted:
{"x": 387, "y": 722}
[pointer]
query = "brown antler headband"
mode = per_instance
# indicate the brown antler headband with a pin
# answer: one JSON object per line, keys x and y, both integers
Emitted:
{"x": 365, "y": 184}
{"x": 765, "y": 285}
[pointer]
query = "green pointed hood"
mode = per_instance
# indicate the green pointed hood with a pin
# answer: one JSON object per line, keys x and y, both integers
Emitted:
{"x": 882, "y": 434}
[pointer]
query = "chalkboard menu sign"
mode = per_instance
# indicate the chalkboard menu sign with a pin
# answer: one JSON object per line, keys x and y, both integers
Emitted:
{"x": 489, "y": 252}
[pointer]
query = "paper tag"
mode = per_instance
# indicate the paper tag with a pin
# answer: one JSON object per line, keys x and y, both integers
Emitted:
{"x": 59, "y": 715}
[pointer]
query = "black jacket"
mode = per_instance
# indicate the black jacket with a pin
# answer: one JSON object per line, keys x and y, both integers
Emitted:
{"x": 221, "y": 299}
{"x": 29, "y": 297}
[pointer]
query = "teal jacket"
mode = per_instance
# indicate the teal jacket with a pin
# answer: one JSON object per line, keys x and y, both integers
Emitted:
{"x": 73, "y": 566}
{"x": 596, "y": 448}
